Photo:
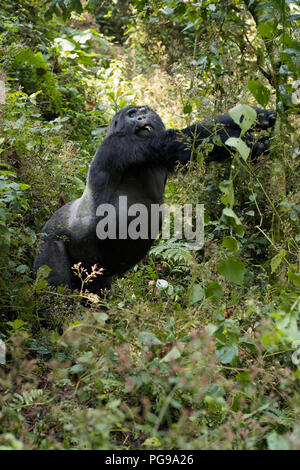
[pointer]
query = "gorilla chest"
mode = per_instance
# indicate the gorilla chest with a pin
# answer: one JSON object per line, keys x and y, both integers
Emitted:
{"x": 125, "y": 222}
{"x": 143, "y": 185}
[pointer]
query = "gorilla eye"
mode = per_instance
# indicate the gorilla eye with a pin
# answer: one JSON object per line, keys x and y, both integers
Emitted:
{"x": 131, "y": 113}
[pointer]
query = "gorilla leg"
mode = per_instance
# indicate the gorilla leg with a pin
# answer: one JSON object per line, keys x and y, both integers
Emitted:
{"x": 52, "y": 252}
{"x": 100, "y": 285}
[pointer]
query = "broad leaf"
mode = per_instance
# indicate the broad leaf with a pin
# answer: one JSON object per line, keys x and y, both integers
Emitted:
{"x": 233, "y": 269}
{"x": 259, "y": 91}
{"x": 244, "y": 116}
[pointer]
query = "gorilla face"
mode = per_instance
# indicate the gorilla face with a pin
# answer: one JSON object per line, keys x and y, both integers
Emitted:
{"x": 141, "y": 121}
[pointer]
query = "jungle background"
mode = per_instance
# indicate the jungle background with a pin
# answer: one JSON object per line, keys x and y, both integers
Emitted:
{"x": 191, "y": 350}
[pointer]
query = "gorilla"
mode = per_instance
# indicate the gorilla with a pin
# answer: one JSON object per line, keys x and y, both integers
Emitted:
{"x": 128, "y": 170}
{"x": 126, "y": 164}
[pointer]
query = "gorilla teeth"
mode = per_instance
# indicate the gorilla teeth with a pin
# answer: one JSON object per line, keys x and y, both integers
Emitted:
{"x": 147, "y": 128}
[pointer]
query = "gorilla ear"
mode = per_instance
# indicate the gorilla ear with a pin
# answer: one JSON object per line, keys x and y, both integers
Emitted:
{"x": 117, "y": 124}
{"x": 113, "y": 127}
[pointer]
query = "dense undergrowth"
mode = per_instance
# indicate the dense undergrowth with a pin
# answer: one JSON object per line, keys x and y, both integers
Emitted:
{"x": 191, "y": 350}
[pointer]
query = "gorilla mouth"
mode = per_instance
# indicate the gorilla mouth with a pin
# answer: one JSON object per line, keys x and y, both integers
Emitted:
{"x": 143, "y": 129}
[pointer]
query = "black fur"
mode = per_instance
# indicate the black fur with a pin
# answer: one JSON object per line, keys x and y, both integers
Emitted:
{"x": 132, "y": 161}
{"x": 125, "y": 164}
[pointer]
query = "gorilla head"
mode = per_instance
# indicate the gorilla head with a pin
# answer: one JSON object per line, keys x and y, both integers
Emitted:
{"x": 141, "y": 121}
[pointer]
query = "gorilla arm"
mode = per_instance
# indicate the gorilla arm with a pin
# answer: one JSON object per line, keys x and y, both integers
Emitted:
{"x": 181, "y": 144}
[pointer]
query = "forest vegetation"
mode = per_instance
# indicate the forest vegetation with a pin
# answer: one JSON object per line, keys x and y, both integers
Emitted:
{"x": 191, "y": 349}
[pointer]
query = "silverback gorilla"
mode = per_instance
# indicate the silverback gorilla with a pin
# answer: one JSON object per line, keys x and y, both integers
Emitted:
{"x": 133, "y": 161}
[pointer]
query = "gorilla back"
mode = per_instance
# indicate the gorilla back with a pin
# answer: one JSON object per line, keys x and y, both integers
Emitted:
{"x": 125, "y": 166}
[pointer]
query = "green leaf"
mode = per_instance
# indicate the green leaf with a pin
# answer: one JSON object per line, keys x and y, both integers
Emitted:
{"x": 230, "y": 218}
{"x": 231, "y": 244}
{"x": 40, "y": 282}
{"x": 276, "y": 260}
{"x": 244, "y": 116}
{"x": 167, "y": 10}
{"x": 243, "y": 377}
{"x": 22, "y": 268}
{"x": 16, "y": 324}
{"x": 291, "y": 51}
{"x": 172, "y": 355}
{"x": 83, "y": 36}
{"x": 64, "y": 44}
{"x": 267, "y": 30}
{"x": 277, "y": 442}
{"x": 240, "y": 146}
{"x": 61, "y": 290}
{"x": 5, "y": 239}
{"x": 233, "y": 269}
{"x": 227, "y": 354}
{"x": 285, "y": 95}
{"x": 76, "y": 369}
{"x": 226, "y": 187}
{"x": 187, "y": 108}
{"x": 152, "y": 442}
{"x": 295, "y": 278}
{"x": 213, "y": 290}
{"x": 54, "y": 337}
{"x": 259, "y": 91}
{"x": 24, "y": 186}
{"x": 287, "y": 324}
{"x": 145, "y": 337}
{"x": 100, "y": 317}
{"x": 197, "y": 294}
